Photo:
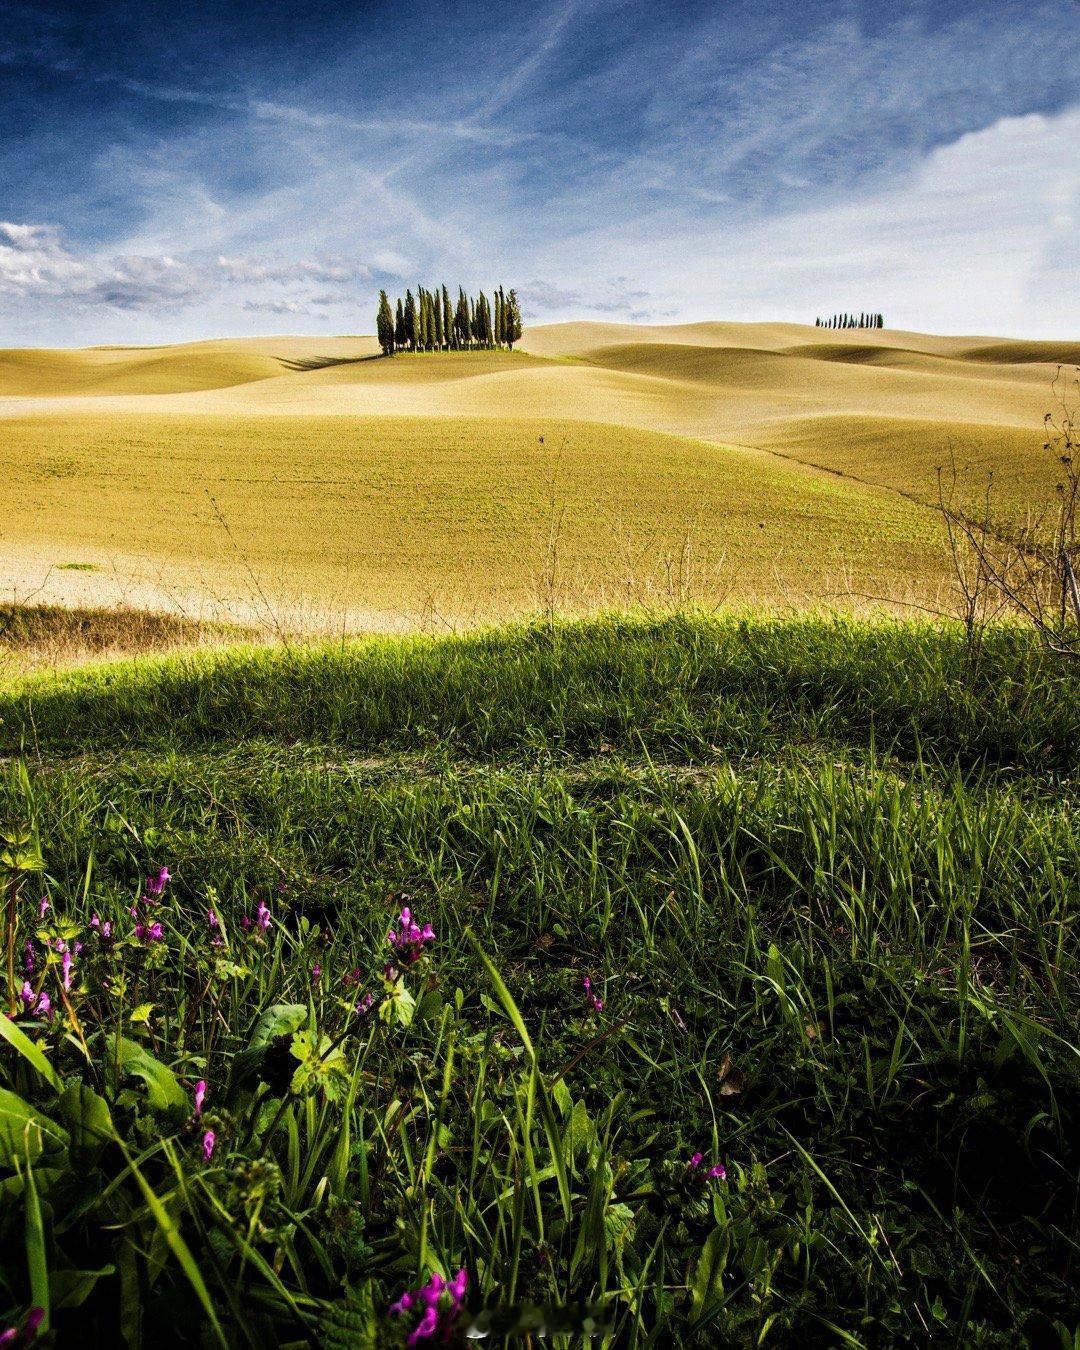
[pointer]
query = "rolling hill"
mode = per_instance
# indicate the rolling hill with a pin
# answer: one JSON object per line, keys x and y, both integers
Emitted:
{"x": 303, "y": 481}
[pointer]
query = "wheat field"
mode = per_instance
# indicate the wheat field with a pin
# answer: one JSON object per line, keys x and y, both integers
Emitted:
{"x": 308, "y": 483}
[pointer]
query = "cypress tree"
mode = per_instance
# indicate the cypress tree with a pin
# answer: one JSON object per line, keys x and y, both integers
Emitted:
{"x": 399, "y": 326}
{"x": 438, "y": 321}
{"x": 447, "y": 318}
{"x": 498, "y": 319}
{"x": 512, "y": 319}
{"x": 411, "y": 324}
{"x": 461, "y": 320}
{"x": 384, "y": 325}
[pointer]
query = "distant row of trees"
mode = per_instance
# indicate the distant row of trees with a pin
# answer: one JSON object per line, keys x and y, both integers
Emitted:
{"x": 428, "y": 322}
{"x": 852, "y": 321}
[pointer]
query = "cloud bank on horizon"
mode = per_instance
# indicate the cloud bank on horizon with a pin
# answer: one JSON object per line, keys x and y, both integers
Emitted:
{"x": 189, "y": 169}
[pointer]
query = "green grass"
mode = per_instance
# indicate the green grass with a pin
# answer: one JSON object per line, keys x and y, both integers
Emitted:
{"x": 825, "y": 877}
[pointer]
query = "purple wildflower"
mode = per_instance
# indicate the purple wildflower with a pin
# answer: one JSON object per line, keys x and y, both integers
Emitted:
{"x": 365, "y": 1005}
{"x": 28, "y": 957}
{"x": 103, "y": 928}
{"x": 35, "y": 1003}
{"x": 200, "y": 1097}
{"x": 25, "y": 1335}
{"x": 316, "y": 972}
{"x": 591, "y": 1000}
{"x": 209, "y": 1139}
{"x": 246, "y": 923}
{"x": 43, "y": 906}
{"x": 441, "y": 1302}
{"x": 718, "y": 1172}
{"x": 409, "y": 942}
{"x": 66, "y": 963}
{"x": 211, "y": 920}
{"x": 263, "y": 916}
{"x": 155, "y": 885}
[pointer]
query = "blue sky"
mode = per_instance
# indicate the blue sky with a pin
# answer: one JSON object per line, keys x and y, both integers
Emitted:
{"x": 182, "y": 169}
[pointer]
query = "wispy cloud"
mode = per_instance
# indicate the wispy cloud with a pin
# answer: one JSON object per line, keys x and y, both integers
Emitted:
{"x": 609, "y": 157}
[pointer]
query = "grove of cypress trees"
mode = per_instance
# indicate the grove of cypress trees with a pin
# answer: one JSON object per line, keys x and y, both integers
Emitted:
{"x": 427, "y": 321}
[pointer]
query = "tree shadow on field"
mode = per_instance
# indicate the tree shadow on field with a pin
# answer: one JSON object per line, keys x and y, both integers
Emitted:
{"x": 322, "y": 362}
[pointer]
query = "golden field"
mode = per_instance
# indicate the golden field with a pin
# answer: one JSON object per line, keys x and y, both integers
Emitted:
{"x": 307, "y": 483}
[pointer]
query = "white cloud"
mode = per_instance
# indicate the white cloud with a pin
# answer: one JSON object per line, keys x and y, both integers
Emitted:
{"x": 392, "y": 263}
{"x": 981, "y": 236}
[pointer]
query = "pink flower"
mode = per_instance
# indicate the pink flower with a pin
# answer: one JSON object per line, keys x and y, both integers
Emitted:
{"x": 263, "y": 916}
{"x": 718, "y": 1172}
{"x": 211, "y": 919}
{"x": 104, "y": 927}
{"x": 246, "y": 923}
{"x": 316, "y": 971}
{"x": 200, "y": 1097}
{"x": 365, "y": 1004}
{"x": 28, "y": 956}
{"x": 27, "y": 1334}
{"x": 36, "y": 1003}
{"x": 591, "y": 1001}
{"x": 208, "y": 1141}
{"x": 441, "y": 1303}
{"x": 43, "y": 906}
{"x": 410, "y": 941}
{"x": 155, "y": 885}
{"x": 425, "y": 1328}
{"x": 66, "y": 963}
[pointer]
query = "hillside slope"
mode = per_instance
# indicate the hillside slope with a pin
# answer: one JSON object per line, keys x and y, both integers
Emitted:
{"x": 310, "y": 467}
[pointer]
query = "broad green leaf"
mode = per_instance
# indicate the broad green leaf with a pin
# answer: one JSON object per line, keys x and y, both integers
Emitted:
{"x": 16, "y": 1037}
{"x": 25, "y": 1134}
{"x": 398, "y": 1006}
{"x": 707, "y": 1286}
{"x": 281, "y": 1019}
{"x": 71, "y": 1288}
{"x": 87, "y": 1118}
{"x": 163, "y": 1090}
